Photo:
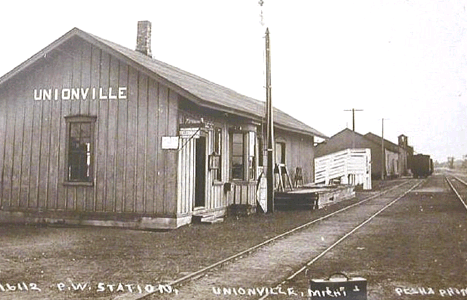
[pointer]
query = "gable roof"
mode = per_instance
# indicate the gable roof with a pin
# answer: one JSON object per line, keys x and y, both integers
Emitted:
{"x": 387, "y": 144}
{"x": 370, "y": 137}
{"x": 346, "y": 130}
{"x": 199, "y": 90}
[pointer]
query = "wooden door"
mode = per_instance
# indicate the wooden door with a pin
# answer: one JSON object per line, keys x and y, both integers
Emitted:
{"x": 200, "y": 172}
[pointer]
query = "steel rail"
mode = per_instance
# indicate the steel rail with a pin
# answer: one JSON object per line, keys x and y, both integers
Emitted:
{"x": 455, "y": 190}
{"x": 460, "y": 180}
{"x": 253, "y": 248}
{"x": 343, "y": 238}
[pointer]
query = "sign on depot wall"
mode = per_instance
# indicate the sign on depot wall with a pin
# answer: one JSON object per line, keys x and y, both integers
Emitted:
{"x": 81, "y": 93}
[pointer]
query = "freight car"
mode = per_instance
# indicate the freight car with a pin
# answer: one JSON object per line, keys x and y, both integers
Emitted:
{"x": 421, "y": 165}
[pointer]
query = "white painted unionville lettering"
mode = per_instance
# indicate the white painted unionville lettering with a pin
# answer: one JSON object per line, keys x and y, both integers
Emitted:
{"x": 81, "y": 93}
{"x": 253, "y": 291}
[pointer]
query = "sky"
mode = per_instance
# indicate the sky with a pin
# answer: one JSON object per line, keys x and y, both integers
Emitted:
{"x": 401, "y": 61}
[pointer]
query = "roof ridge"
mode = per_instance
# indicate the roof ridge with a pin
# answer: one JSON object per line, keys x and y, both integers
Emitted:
{"x": 227, "y": 89}
{"x": 199, "y": 89}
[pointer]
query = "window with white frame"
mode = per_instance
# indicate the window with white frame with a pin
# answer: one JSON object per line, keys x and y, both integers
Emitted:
{"x": 80, "y": 145}
{"x": 280, "y": 153}
{"x": 217, "y": 155}
{"x": 242, "y": 155}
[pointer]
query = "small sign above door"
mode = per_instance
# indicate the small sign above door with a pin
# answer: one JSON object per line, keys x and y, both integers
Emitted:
{"x": 170, "y": 142}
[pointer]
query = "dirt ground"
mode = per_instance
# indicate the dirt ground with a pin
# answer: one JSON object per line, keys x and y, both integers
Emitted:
{"x": 416, "y": 249}
{"x": 74, "y": 262}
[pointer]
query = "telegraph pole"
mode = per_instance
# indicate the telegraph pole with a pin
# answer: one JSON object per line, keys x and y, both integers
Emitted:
{"x": 383, "y": 158}
{"x": 353, "y": 110}
{"x": 270, "y": 128}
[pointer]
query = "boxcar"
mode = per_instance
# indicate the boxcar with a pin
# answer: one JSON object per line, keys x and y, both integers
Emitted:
{"x": 421, "y": 165}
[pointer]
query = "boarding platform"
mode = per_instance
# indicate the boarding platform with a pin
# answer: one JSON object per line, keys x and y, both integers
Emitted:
{"x": 310, "y": 197}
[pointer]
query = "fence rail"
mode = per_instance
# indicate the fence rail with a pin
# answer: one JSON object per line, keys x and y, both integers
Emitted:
{"x": 350, "y": 166}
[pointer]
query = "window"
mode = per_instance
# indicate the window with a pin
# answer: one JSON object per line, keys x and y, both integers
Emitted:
{"x": 243, "y": 149}
{"x": 238, "y": 156}
{"x": 218, "y": 152}
{"x": 80, "y": 144}
{"x": 280, "y": 153}
{"x": 251, "y": 155}
{"x": 261, "y": 151}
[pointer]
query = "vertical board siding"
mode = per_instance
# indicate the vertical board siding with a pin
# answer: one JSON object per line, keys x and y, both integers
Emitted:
{"x": 181, "y": 178}
{"x": 44, "y": 151}
{"x": 86, "y": 60}
{"x": 35, "y": 152}
{"x": 141, "y": 142}
{"x": 151, "y": 136}
{"x": 191, "y": 202}
{"x": 17, "y": 157}
{"x": 112, "y": 137}
{"x": 170, "y": 170}
{"x": 160, "y": 190}
{"x": 209, "y": 188}
{"x": 186, "y": 176}
{"x": 26, "y": 148}
{"x": 122, "y": 130}
{"x": 131, "y": 149}
{"x": 85, "y": 107}
{"x": 132, "y": 174}
{"x": 217, "y": 196}
{"x": 102, "y": 136}
{"x": 65, "y": 199}
{"x": 75, "y": 194}
{"x": 3, "y": 122}
{"x": 299, "y": 153}
{"x": 8, "y": 154}
{"x": 55, "y": 142}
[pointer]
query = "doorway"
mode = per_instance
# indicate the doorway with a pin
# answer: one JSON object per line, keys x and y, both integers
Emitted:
{"x": 200, "y": 172}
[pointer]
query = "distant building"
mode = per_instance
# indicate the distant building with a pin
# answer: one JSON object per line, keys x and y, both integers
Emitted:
{"x": 406, "y": 153}
{"x": 396, "y": 157}
{"x": 393, "y": 156}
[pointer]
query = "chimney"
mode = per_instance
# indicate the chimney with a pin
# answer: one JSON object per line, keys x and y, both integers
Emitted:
{"x": 143, "y": 40}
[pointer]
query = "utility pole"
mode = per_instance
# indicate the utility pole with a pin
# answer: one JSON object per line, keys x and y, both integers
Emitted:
{"x": 353, "y": 110}
{"x": 270, "y": 129}
{"x": 383, "y": 158}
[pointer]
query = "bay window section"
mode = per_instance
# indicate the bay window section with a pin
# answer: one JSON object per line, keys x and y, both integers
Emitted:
{"x": 243, "y": 152}
{"x": 251, "y": 155}
{"x": 217, "y": 155}
{"x": 238, "y": 165}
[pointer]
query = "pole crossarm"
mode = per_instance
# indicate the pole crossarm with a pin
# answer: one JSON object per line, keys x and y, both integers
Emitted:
{"x": 353, "y": 110}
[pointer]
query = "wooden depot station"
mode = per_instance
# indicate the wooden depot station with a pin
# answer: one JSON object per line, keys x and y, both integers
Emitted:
{"x": 93, "y": 133}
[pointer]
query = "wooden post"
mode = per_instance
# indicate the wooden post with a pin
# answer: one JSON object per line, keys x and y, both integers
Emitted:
{"x": 270, "y": 129}
{"x": 383, "y": 165}
{"x": 353, "y": 110}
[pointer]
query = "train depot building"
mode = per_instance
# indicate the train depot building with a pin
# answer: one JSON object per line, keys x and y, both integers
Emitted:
{"x": 93, "y": 133}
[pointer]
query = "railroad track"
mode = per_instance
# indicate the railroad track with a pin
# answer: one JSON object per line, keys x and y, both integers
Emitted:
{"x": 316, "y": 258}
{"x": 202, "y": 272}
{"x": 459, "y": 187}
